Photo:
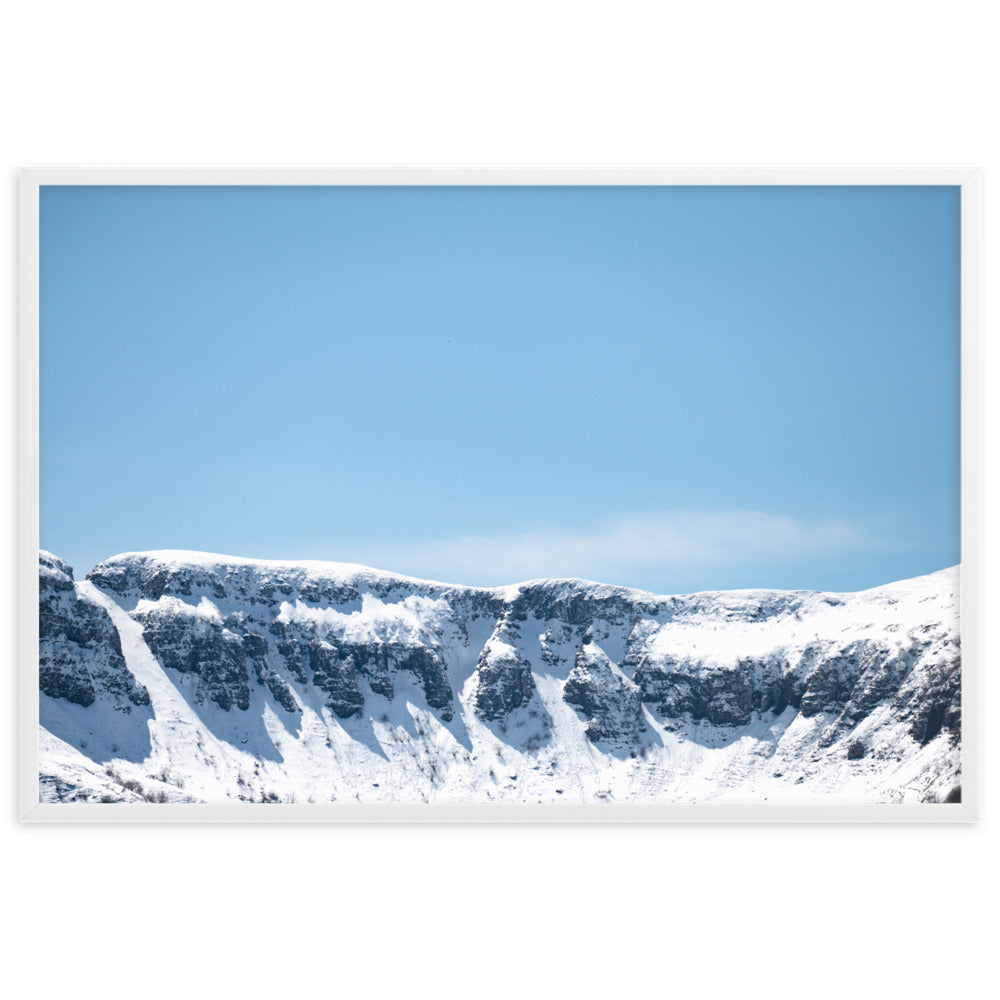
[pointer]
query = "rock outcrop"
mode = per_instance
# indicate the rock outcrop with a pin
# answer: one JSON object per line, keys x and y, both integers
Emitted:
{"x": 609, "y": 700}
{"x": 80, "y": 654}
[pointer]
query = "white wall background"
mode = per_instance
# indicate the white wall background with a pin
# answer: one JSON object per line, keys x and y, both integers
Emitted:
{"x": 486, "y": 912}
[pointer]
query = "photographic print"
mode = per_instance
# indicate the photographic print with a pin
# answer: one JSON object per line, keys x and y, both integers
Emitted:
{"x": 605, "y": 495}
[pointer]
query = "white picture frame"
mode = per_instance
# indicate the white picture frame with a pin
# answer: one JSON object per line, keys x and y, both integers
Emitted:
{"x": 32, "y": 810}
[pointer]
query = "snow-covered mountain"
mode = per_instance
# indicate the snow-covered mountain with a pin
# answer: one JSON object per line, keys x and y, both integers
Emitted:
{"x": 183, "y": 676}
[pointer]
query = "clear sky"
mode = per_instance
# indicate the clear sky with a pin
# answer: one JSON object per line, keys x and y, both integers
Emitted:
{"x": 670, "y": 388}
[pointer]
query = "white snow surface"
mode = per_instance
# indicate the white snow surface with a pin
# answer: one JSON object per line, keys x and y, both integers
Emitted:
{"x": 400, "y": 749}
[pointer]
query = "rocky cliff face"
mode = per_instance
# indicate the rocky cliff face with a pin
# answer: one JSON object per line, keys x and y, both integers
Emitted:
{"x": 80, "y": 654}
{"x": 607, "y": 699}
{"x": 334, "y": 681}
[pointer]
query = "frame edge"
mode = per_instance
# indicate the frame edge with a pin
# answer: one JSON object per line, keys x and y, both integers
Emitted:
{"x": 28, "y": 466}
{"x": 969, "y": 178}
{"x": 971, "y": 575}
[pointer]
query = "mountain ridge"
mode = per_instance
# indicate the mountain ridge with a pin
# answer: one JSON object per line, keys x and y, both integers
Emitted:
{"x": 311, "y": 679}
{"x": 193, "y": 557}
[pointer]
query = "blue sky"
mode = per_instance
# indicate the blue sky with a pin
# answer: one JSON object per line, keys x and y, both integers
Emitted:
{"x": 669, "y": 388}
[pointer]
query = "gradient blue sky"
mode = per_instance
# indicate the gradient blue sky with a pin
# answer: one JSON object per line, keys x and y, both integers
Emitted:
{"x": 670, "y": 388}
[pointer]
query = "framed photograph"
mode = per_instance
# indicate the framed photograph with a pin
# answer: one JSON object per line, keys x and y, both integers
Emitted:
{"x": 503, "y": 495}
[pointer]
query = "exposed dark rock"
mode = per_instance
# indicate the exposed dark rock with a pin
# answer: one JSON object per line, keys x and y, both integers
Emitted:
{"x": 934, "y": 702}
{"x": 256, "y": 648}
{"x": 80, "y": 653}
{"x": 580, "y": 604}
{"x": 376, "y": 662}
{"x": 504, "y": 681}
{"x": 292, "y": 649}
{"x": 327, "y": 593}
{"x": 557, "y": 634}
{"x": 608, "y": 700}
{"x": 380, "y": 661}
{"x": 428, "y": 666}
{"x": 678, "y": 687}
{"x": 182, "y": 639}
{"x": 790, "y": 692}
{"x": 337, "y": 678}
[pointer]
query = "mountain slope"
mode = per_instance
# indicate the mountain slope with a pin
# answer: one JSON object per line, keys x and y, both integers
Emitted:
{"x": 271, "y": 681}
